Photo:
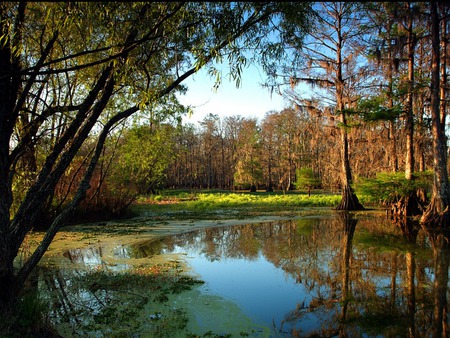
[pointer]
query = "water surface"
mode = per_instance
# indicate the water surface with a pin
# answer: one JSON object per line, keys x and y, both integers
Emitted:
{"x": 337, "y": 275}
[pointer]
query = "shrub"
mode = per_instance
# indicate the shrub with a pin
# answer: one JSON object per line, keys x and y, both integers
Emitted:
{"x": 389, "y": 188}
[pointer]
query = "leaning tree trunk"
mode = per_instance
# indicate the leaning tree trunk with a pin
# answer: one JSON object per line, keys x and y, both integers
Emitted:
{"x": 437, "y": 213}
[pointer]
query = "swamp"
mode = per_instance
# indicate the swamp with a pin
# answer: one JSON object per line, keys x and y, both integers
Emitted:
{"x": 243, "y": 272}
{"x": 330, "y": 211}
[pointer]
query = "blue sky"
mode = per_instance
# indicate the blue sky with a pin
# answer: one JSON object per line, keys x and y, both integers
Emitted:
{"x": 249, "y": 100}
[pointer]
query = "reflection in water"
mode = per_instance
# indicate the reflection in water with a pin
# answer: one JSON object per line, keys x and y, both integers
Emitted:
{"x": 93, "y": 257}
{"x": 349, "y": 226}
{"x": 342, "y": 275}
{"x": 440, "y": 243}
{"x": 410, "y": 231}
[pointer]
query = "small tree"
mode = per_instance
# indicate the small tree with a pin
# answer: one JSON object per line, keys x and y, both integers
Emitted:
{"x": 307, "y": 179}
{"x": 394, "y": 189}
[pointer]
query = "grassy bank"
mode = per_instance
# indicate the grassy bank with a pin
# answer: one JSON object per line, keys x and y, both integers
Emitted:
{"x": 207, "y": 202}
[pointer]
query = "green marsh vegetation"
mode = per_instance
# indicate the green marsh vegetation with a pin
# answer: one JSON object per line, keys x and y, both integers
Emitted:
{"x": 377, "y": 192}
{"x": 218, "y": 204}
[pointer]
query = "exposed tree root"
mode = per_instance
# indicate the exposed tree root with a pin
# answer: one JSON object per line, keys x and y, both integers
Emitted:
{"x": 409, "y": 206}
{"x": 433, "y": 218}
{"x": 349, "y": 200}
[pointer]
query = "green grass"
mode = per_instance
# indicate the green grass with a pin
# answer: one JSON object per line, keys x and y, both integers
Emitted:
{"x": 205, "y": 201}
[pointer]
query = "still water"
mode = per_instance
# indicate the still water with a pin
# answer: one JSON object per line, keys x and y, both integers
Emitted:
{"x": 322, "y": 276}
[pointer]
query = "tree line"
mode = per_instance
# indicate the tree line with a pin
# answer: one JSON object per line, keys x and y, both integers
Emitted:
{"x": 236, "y": 152}
{"x": 368, "y": 109}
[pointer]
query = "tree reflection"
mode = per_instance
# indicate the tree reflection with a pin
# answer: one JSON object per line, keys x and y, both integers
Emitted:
{"x": 410, "y": 229}
{"x": 375, "y": 279}
{"x": 439, "y": 238}
{"x": 349, "y": 225}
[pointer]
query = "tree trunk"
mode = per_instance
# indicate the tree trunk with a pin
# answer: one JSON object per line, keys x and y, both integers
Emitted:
{"x": 437, "y": 213}
{"x": 8, "y": 289}
{"x": 349, "y": 199}
{"x": 10, "y": 82}
{"x": 409, "y": 205}
{"x": 409, "y": 123}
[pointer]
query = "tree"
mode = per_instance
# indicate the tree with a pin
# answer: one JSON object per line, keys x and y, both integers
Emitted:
{"x": 437, "y": 212}
{"x": 280, "y": 147}
{"x": 248, "y": 171}
{"x": 140, "y": 163}
{"x": 383, "y": 53}
{"x": 332, "y": 65}
{"x": 402, "y": 49}
{"x": 71, "y": 72}
{"x": 306, "y": 178}
{"x": 409, "y": 35}
{"x": 211, "y": 149}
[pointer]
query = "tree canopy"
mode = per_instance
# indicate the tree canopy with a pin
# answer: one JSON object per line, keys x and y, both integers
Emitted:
{"x": 73, "y": 72}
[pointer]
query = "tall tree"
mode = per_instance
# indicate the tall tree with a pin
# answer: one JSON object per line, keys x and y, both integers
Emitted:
{"x": 400, "y": 32}
{"x": 437, "y": 212}
{"x": 332, "y": 65}
{"x": 211, "y": 138}
{"x": 248, "y": 171}
{"x": 383, "y": 54}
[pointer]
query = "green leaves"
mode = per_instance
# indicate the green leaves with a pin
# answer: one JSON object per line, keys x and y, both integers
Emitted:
{"x": 373, "y": 109}
{"x": 142, "y": 159}
{"x": 391, "y": 187}
{"x": 306, "y": 178}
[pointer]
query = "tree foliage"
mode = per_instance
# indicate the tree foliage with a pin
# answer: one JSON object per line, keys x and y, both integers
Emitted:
{"x": 306, "y": 178}
{"x": 389, "y": 188}
{"x": 72, "y": 72}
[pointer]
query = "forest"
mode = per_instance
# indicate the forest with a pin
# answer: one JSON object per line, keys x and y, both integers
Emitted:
{"x": 385, "y": 124}
{"x": 90, "y": 117}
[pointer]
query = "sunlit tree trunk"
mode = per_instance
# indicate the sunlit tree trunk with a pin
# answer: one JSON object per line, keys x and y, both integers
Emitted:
{"x": 437, "y": 213}
{"x": 409, "y": 122}
{"x": 444, "y": 63}
{"x": 349, "y": 199}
